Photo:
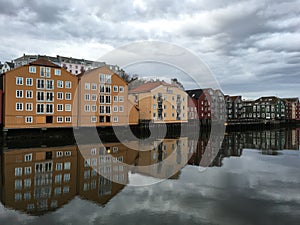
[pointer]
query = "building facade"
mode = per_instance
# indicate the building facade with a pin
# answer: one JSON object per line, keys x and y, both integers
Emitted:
{"x": 103, "y": 99}
{"x": 234, "y": 106}
{"x": 291, "y": 107}
{"x": 39, "y": 95}
{"x": 160, "y": 102}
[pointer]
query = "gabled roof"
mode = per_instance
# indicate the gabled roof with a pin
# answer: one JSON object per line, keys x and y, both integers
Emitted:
{"x": 43, "y": 62}
{"x": 11, "y": 64}
{"x": 147, "y": 87}
{"x": 269, "y": 99}
{"x": 196, "y": 93}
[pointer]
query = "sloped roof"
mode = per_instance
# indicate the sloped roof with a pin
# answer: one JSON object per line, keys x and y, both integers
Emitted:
{"x": 11, "y": 64}
{"x": 43, "y": 62}
{"x": 196, "y": 93}
{"x": 146, "y": 87}
{"x": 291, "y": 99}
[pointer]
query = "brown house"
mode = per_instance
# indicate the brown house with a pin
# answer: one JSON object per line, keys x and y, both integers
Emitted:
{"x": 39, "y": 95}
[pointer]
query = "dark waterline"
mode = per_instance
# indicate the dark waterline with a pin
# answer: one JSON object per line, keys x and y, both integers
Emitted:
{"x": 252, "y": 179}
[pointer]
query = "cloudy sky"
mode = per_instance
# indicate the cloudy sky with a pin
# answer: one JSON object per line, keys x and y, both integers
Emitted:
{"x": 252, "y": 47}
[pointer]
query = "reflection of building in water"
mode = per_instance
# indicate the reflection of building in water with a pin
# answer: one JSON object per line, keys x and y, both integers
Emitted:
{"x": 164, "y": 158}
{"x": 110, "y": 161}
{"x": 37, "y": 180}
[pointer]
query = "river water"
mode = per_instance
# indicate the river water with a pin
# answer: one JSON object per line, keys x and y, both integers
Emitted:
{"x": 253, "y": 178}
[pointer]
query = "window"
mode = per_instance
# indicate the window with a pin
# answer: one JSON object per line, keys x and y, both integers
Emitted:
{"x": 108, "y": 79}
{"x": 121, "y": 98}
{"x": 27, "y": 183}
{"x": 116, "y": 88}
{"x": 29, "y": 94}
{"x": 121, "y": 88}
{"x": 87, "y": 97}
{"x": 28, "y": 119}
{"x": 49, "y": 96}
{"x": 28, "y": 106}
{"x": 68, "y": 119}
{"x": 60, "y": 95}
{"x": 60, "y": 107}
{"x": 40, "y": 108}
{"x": 49, "y": 84}
{"x": 18, "y": 171}
{"x": 60, "y": 119}
{"x": 18, "y": 184}
{"x": 27, "y": 170}
{"x": 19, "y": 80}
{"x": 29, "y": 82}
{"x": 57, "y": 72}
{"x": 115, "y": 108}
{"x": 93, "y": 119}
{"x": 115, "y": 149}
{"x": 94, "y": 108}
{"x": 40, "y": 84}
{"x": 18, "y": 196}
{"x": 68, "y": 84}
{"x": 68, "y": 96}
{"x": 19, "y": 106}
{"x": 60, "y": 84}
{"x": 94, "y": 86}
{"x": 87, "y": 86}
{"x": 32, "y": 69}
{"x": 94, "y": 97}
{"x": 68, "y": 153}
{"x": 108, "y": 89}
{"x": 115, "y": 119}
{"x": 102, "y": 99}
{"x": 86, "y": 108}
{"x": 49, "y": 108}
{"x": 40, "y": 96}
{"x": 115, "y": 98}
{"x": 19, "y": 94}
{"x": 101, "y": 88}
{"x": 57, "y": 191}
{"x": 67, "y": 177}
{"x": 102, "y": 78}
{"x": 107, "y": 109}
{"x": 59, "y": 154}
{"x": 66, "y": 189}
{"x": 107, "y": 99}
{"x": 67, "y": 166}
{"x": 154, "y": 106}
{"x": 121, "y": 108}
{"x": 48, "y": 72}
{"x": 68, "y": 107}
{"x": 101, "y": 109}
{"x": 28, "y": 157}
{"x": 58, "y": 166}
{"x": 42, "y": 71}
{"x": 58, "y": 178}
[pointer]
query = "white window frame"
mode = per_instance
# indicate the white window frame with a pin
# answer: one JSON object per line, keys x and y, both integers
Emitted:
{"x": 20, "y": 108}
{"x": 94, "y": 86}
{"x": 87, "y": 97}
{"x": 32, "y": 69}
{"x": 62, "y": 95}
{"x": 115, "y": 109}
{"x": 121, "y": 89}
{"x": 93, "y": 119}
{"x": 44, "y": 84}
{"x": 116, "y": 99}
{"x": 57, "y": 72}
{"x": 29, "y": 108}
{"x": 68, "y": 119}
{"x": 37, "y": 108}
{"x": 87, "y": 108}
{"x": 121, "y": 108}
{"x": 87, "y": 86}
{"x": 93, "y": 108}
{"x": 60, "y": 105}
{"x": 94, "y": 97}
{"x": 121, "y": 98}
{"x": 115, "y": 119}
{"x": 60, "y": 119}
{"x": 19, "y": 79}
{"x": 30, "y": 83}
{"x": 68, "y": 98}
{"x": 68, "y": 106}
{"x": 28, "y": 157}
{"x": 60, "y": 82}
{"x": 27, "y": 92}
{"x": 68, "y": 84}
{"x": 19, "y": 93}
{"x": 115, "y": 88}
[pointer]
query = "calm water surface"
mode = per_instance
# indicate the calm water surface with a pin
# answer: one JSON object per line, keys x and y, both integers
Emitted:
{"x": 254, "y": 179}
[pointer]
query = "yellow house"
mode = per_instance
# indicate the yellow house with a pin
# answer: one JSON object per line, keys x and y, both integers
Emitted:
{"x": 160, "y": 102}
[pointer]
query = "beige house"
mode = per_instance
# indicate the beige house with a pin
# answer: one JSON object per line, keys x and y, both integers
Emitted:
{"x": 160, "y": 102}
